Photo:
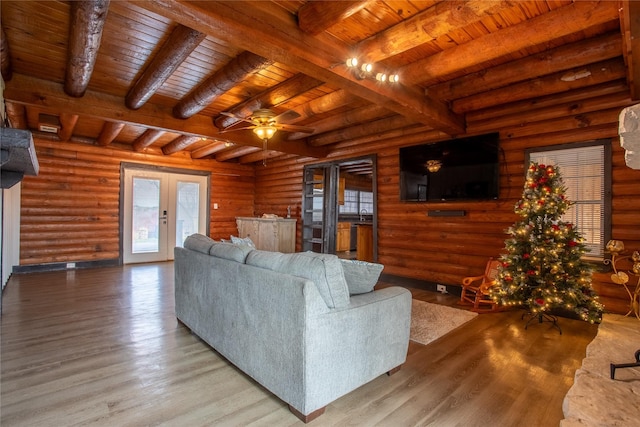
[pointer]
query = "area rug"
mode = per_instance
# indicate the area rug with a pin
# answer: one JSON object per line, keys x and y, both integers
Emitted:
{"x": 431, "y": 321}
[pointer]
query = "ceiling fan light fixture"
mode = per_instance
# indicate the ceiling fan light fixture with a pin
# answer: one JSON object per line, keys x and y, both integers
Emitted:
{"x": 265, "y": 131}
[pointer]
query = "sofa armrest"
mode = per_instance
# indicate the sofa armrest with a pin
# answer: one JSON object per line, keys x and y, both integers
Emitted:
{"x": 348, "y": 347}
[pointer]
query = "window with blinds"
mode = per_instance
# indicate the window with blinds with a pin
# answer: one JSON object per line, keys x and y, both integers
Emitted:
{"x": 586, "y": 172}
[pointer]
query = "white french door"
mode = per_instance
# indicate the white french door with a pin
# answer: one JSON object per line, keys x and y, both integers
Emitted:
{"x": 160, "y": 210}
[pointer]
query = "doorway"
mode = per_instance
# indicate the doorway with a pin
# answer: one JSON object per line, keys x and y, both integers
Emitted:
{"x": 159, "y": 209}
{"x": 339, "y": 214}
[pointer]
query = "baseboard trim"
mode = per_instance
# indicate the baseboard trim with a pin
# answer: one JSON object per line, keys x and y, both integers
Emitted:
{"x": 409, "y": 282}
{"x": 57, "y": 266}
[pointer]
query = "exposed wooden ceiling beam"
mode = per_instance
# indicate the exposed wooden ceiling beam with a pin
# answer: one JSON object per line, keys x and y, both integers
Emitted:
{"x": 179, "y": 144}
{"x": 68, "y": 123}
{"x": 221, "y": 81}
{"x": 85, "y": 33}
{"x": 17, "y": 115}
{"x": 233, "y": 152}
{"x": 321, "y": 57}
{"x": 630, "y": 25}
{"x": 147, "y": 138}
{"x": 558, "y": 23}
{"x": 209, "y": 149}
{"x": 109, "y": 132}
{"x": 444, "y": 17}
{"x": 172, "y": 53}
{"x": 316, "y": 16}
{"x": 323, "y": 104}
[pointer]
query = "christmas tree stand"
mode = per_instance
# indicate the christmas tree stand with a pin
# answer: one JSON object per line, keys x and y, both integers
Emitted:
{"x": 541, "y": 317}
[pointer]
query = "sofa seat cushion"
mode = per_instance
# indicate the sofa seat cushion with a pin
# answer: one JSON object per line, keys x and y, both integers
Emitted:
{"x": 325, "y": 270}
{"x": 199, "y": 243}
{"x": 361, "y": 276}
{"x": 230, "y": 251}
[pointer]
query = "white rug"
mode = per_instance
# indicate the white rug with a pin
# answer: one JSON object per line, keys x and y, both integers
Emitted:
{"x": 431, "y": 321}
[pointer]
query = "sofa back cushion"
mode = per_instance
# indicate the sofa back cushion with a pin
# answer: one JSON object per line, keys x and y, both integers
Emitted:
{"x": 199, "y": 242}
{"x": 325, "y": 270}
{"x": 230, "y": 251}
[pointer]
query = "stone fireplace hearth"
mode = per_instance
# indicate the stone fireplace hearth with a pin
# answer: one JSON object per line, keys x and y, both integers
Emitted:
{"x": 595, "y": 399}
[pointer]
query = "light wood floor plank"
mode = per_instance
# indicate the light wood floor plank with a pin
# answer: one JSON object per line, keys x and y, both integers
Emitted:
{"x": 103, "y": 347}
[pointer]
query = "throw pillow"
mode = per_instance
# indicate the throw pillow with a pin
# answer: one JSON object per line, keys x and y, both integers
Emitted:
{"x": 361, "y": 276}
{"x": 243, "y": 241}
{"x": 199, "y": 242}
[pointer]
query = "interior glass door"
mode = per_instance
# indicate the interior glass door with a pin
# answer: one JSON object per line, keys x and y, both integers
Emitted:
{"x": 161, "y": 210}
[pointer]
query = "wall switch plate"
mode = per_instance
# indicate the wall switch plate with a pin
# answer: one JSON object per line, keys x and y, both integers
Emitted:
{"x": 441, "y": 288}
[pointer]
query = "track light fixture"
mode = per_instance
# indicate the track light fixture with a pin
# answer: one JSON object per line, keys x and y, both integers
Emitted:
{"x": 366, "y": 70}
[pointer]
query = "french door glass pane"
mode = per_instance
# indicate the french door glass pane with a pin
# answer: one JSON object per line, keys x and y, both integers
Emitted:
{"x": 187, "y": 210}
{"x": 146, "y": 215}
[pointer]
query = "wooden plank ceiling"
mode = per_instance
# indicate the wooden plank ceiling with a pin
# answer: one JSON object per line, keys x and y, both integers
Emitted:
{"x": 166, "y": 75}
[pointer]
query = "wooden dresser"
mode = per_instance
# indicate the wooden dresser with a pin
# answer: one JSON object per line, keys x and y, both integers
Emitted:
{"x": 269, "y": 234}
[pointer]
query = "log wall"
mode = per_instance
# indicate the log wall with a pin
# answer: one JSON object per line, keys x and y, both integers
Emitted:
{"x": 446, "y": 249}
{"x": 70, "y": 211}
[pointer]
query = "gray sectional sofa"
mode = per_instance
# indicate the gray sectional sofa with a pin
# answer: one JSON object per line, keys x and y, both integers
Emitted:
{"x": 306, "y": 326}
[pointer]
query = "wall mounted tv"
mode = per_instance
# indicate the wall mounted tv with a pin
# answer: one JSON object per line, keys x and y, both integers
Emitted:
{"x": 469, "y": 170}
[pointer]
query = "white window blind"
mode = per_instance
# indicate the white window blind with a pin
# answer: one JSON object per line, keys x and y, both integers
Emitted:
{"x": 582, "y": 170}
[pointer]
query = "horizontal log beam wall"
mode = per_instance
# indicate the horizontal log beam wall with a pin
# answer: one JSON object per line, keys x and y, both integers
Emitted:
{"x": 70, "y": 211}
{"x": 446, "y": 249}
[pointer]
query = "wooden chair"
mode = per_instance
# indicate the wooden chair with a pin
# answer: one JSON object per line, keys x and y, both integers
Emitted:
{"x": 475, "y": 289}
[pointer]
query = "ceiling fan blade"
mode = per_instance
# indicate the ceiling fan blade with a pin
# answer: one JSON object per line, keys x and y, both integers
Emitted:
{"x": 294, "y": 128}
{"x": 286, "y": 116}
{"x": 233, "y": 116}
{"x": 232, "y": 129}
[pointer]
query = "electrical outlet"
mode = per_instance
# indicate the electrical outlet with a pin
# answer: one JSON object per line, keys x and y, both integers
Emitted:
{"x": 441, "y": 288}
{"x": 71, "y": 265}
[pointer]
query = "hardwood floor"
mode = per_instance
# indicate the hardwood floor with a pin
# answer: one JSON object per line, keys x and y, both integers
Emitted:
{"x": 102, "y": 347}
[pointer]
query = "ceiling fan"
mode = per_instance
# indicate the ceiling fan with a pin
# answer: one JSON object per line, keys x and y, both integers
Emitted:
{"x": 264, "y": 123}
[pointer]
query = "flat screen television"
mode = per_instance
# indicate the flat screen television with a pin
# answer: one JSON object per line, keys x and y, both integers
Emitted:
{"x": 469, "y": 169}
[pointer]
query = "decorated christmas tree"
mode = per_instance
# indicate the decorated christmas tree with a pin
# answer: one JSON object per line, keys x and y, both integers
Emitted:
{"x": 543, "y": 270}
